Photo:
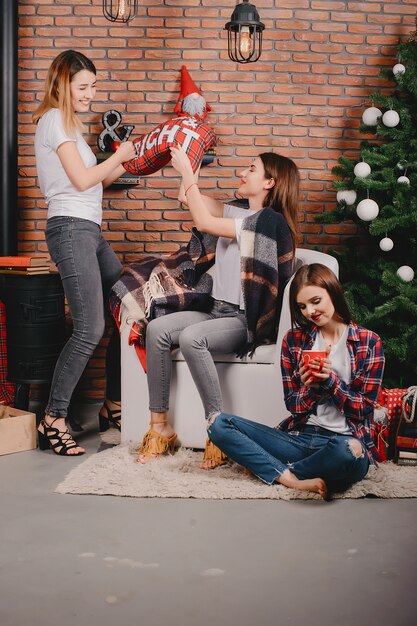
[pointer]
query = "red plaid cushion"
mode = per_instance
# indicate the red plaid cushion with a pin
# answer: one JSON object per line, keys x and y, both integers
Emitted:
{"x": 7, "y": 389}
{"x": 152, "y": 149}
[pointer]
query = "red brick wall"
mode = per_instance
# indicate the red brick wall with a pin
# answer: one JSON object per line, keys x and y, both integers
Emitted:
{"x": 303, "y": 98}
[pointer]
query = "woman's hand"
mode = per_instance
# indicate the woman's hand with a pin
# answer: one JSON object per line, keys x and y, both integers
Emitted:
{"x": 306, "y": 378}
{"x": 126, "y": 151}
{"x": 320, "y": 375}
{"x": 321, "y": 371}
{"x": 180, "y": 161}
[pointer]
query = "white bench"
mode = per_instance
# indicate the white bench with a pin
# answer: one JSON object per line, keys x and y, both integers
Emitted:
{"x": 251, "y": 388}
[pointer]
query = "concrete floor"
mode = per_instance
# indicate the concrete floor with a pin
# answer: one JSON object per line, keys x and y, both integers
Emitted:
{"x": 106, "y": 561}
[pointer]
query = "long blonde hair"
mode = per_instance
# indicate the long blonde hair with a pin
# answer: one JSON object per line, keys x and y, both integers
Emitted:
{"x": 57, "y": 87}
{"x": 283, "y": 197}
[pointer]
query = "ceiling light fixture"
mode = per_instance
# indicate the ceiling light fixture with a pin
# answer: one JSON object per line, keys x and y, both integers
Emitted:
{"x": 244, "y": 34}
{"x": 120, "y": 10}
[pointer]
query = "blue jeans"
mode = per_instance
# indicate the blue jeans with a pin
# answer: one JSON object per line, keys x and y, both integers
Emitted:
{"x": 312, "y": 452}
{"x": 222, "y": 329}
{"x": 88, "y": 268}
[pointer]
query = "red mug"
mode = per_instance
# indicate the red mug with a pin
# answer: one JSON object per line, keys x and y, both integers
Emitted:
{"x": 311, "y": 355}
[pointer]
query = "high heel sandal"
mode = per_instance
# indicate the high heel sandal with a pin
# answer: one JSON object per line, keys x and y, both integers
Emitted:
{"x": 213, "y": 454}
{"x": 111, "y": 419}
{"x": 48, "y": 433}
{"x": 154, "y": 444}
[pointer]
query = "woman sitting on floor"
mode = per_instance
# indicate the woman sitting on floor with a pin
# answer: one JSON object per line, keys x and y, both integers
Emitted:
{"x": 325, "y": 444}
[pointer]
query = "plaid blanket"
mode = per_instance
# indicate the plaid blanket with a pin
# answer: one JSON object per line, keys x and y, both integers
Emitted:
{"x": 7, "y": 390}
{"x": 154, "y": 285}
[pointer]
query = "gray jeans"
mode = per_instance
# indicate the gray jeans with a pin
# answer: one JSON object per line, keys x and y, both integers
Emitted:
{"x": 88, "y": 268}
{"x": 222, "y": 329}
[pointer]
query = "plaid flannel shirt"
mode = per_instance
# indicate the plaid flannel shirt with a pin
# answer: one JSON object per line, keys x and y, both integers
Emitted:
{"x": 355, "y": 400}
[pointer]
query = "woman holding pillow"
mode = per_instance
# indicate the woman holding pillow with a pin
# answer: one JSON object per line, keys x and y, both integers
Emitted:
{"x": 253, "y": 262}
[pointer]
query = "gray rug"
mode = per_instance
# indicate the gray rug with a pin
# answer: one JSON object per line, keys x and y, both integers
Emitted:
{"x": 113, "y": 472}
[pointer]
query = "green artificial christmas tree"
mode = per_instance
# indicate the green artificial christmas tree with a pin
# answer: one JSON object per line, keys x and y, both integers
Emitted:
{"x": 379, "y": 192}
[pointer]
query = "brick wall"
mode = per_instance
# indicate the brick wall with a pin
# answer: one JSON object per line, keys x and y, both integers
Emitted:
{"x": 303, "y": 98}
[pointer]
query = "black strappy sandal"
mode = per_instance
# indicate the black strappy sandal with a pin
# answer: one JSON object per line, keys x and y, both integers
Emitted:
{"x": 62, "y": 439}
{"x": 111, "y": 419}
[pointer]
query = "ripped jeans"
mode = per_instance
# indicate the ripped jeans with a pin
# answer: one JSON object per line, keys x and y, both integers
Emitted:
{"x": 312, "y": 452}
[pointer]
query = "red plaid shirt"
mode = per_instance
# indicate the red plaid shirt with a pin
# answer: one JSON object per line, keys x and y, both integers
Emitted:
{"x": 356, "y": 400}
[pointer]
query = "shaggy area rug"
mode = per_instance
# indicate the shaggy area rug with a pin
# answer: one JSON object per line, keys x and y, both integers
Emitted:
{"x": 113, "y": 472}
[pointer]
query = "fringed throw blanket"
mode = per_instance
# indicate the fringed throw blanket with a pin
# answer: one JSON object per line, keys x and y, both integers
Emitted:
{"x": 155, "y": 285}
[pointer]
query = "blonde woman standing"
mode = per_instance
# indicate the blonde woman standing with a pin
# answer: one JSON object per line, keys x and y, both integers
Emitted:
{"x": 72, "y": 184}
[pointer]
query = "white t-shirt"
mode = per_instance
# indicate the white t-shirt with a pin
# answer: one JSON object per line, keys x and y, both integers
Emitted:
{"x": 327, "y": 415}
{"x": 61, "y": 197}
{"x": 227, "y": 284}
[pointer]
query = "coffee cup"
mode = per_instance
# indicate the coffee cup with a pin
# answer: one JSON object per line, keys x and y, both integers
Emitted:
{"x": 314, "y": 355}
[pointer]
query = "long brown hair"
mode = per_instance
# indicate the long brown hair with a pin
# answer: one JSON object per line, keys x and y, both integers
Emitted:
{"x": 57, "y": 87}
{"x": 283, "y": 197}
{"x": 317, "y": 275}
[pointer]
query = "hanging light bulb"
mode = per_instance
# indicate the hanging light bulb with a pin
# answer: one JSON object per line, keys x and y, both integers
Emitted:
{"x": 244, "y": 34}
{"x": 245, "y": 44}
{"x": 120, "y": 10}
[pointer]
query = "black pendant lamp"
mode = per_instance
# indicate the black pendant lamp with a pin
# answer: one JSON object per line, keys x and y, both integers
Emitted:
{"x": 244, "y": 34}
{"x": 120, "y": 10}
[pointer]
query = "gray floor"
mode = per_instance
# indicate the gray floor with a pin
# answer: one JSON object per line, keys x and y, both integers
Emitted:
{"x": 92, "y": 560}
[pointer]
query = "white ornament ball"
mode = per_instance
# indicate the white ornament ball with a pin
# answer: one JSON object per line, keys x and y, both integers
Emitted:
{"x": 404, "y": 180}
{"x": 406, "y": 273}
{"x": 346, "y": 195}
{"x": 370, "y": 116}
{"x": 386, "y": 244}
{"x": 362, "y": 170}
{"x": 399, "y": 68}
{"x": 391, "y": 119}
{"x": 367, "y": 210}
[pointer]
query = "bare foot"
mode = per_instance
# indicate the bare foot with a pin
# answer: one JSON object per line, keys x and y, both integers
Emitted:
{"x": 316, "y": 485}
{"x": 60, "y": 425}
{"x": 207, "y": 464}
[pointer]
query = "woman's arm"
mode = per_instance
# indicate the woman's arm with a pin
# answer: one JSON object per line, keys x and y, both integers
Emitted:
{"x": 116, "y": 173}
{"x": 300, "y": 398}
{"x": 205, "y": 220}
{"x": 83, "y": 177}
{"x": 214, "y": 206}
{"x": 357, "y": 399}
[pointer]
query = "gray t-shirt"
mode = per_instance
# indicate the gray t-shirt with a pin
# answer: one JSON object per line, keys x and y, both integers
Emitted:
{"x": 227, "y": 284}
{"x": 61, "y": 197}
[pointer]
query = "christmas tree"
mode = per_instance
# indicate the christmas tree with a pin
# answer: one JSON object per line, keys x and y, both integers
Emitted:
{"x": 379, "y": 192}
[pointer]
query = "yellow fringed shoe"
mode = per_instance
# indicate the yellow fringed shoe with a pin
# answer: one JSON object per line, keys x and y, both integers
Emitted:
{"x": 154, "y": 445}
{"x": 213, "y": 456}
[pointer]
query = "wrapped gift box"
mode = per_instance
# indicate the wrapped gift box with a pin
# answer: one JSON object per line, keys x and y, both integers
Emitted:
{"x": 17, "y": 430}
{"x": 384, "y": 434}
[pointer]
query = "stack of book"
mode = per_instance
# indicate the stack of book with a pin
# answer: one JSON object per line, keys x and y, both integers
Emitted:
{"x": 26, "y": 265}
{"x": 406, "y": 444}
